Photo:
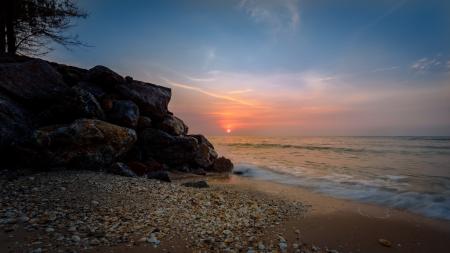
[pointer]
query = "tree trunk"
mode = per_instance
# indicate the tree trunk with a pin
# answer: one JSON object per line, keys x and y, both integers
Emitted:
{"x": 2, "y": 31}
{"x": 10, "y": 31}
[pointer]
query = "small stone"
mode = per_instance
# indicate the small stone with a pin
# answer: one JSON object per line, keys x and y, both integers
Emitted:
{"x": 153, "y": 240}
{"x": 49, "y": 230}
{"x": 38, "y": 250}
{"x": 72, "y": 229}
{"x": 385, "y": 242}
{"x": 76, "y": 238}
{"x": 261, "y": 246}
{"x": 95, "y": 203}
{"x": 251, "y": 250}
{"x": 94, "y": 242}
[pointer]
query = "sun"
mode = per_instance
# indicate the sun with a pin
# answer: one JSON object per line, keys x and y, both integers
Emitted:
{"x": 228, "y": 130}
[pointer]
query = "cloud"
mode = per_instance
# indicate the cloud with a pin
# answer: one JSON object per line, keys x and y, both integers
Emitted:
{"x": 240, "y": 91}
{"x": 427, "y": 65}
{"x": 385, "y": 69}
{"x": 277, "y": 15}
{"x": 208, "y": 93}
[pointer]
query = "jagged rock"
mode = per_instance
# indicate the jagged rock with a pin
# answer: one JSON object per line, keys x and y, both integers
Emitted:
{"x": 121, "y": 169}
{"x": 159, "y": 175}
{"x": 173, "y": 125}
{"x": 205, "y": 155}
{"x": 71, "y": 75}
{"x": 144, "y": 122}
{"x": 151, "y": 99}
{"x": 104, "y": 77}
{"x": 92, "y": 88}
{"x": 85, "y": 143}
{"x": 173, "y": 150}
{"x": 222, "y": 164}
{"x": 14, "y": 124}
{"x": 78, "y": 103}
{"x": 124, "y": 113}
{"x": 33, "y": 82}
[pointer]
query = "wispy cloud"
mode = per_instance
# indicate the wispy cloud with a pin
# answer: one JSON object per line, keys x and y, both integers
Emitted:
{"x": 385, "y": 69}
{"x": 240, "y": 91}
{"x": 208, "y": 93}
{"x": 426, "y": 65}
{"x": 277, "y": 15}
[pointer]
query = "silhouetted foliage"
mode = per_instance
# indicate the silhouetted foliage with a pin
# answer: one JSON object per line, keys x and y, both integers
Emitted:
{"x": 28, "y": 26}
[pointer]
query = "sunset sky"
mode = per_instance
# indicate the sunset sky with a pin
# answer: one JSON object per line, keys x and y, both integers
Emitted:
{"x": 282, "y": 67}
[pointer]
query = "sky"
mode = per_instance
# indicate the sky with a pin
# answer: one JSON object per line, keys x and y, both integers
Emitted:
{"x": 285, "y": 67}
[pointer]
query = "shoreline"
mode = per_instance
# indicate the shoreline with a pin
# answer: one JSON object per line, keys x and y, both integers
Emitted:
{"x": 318, "y": 224}
{"x": 350, "y": 226}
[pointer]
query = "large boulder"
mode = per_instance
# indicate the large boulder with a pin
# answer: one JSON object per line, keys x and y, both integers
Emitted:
{"x": 34, "y": 82}
{"x": 78, "y": 103}
{"x": 70, "y": 74}
{"x": 124, "y": 113}
{"x": 205, "y": 155}
{"x": 152, "y": 99}
{"x": 165, "y": 148}
{"x": 85, "y": 143}
{"x": 173, "y": 125}
{"x": 179, "y": 151}
{"x": 15, "y": 126}
{"x": 104, "y": 76}
{"x": 222, "y": 164}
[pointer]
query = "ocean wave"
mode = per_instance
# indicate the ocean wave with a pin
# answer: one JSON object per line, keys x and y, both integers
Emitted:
{"x": 388, "y": 190}
{"x": 411, "y": 150}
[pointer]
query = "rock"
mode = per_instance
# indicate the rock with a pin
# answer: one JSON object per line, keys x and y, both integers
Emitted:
{"x": 197, "y": 184}
{"x": 144, "y": 122}
{"x": 385, "y": 242}
{"x": 153, "y": 240}
{"x": 222, "y": 164}
{"x": 173, "y": 125}
{"x": 85, "y": 143}
{"x": 152, "y": 99}
{"x": 124, "y": 113}
{"x": 34, "y": 82}
{"x": 159, "y": 175}
{"x": 205, "y": 155}
{"x": 92, "y": 88}
{"x": 104, "y": 77}
{"x": 76, "y": 239}
{"x": 121, "y": 169}
{"x": 143, "y": 168}
{"x": 71, "y": 75}
{"x": 128, "y": 79}
{"x": 86, "y": 105}
{"x": 15, "y": 127}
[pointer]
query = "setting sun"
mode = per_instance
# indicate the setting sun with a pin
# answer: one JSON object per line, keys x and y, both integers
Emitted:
{"x": 228, "y": 131}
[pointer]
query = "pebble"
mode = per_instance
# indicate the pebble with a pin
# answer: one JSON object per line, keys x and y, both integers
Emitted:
{"x": 49, "y": 230}
{"x": 385, "y": 242}
{"x": 76, "y": 238}
{"x": 153, "y": 240}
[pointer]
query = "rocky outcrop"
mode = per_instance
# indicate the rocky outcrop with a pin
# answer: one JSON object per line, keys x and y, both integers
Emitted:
{"x": 173, "y": 125}
{"x": 84, "y": 143}
{"x": 54, "y": 115}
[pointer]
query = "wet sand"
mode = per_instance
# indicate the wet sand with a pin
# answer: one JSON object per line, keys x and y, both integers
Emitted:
{"x": 348, "y": 226}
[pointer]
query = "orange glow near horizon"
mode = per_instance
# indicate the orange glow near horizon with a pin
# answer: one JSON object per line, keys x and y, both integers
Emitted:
{"x": 228, "y": 130}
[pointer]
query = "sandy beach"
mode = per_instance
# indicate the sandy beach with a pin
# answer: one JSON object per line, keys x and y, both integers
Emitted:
{"x": 234, "y": 214}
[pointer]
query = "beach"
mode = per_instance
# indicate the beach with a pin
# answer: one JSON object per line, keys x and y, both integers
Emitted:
{"x": 97, "y": 212}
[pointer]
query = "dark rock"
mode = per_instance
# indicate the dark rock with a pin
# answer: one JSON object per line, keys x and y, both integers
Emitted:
{"x": 159, "y": 175}
{"x": 205, "y": 155}
{"x": 104, "y": 77}
{"x": 85, "y": 143}
{"x": 222, "y": 164}
{"x": 138, "y": 168}
{"x": 144, "y": 122}
{"x": 33, "y": 82}
{"x": 121, "y": 169}
{"x": 239, "y": 172}
{"x": 151, "y": 99}
{"x": 77, "y": 103}
{"x": 199, "y": 171}
{"x": 173, "y": 125}
{"x": 165, "y": 148}
{"x": 15, "y": 127}
{"x": 124, "y": 113}
{"x": 71, "y": 75}
{"x": 92, "y": 88}
{"x": 128, "y": 79}
{"x": 197, "y": 184}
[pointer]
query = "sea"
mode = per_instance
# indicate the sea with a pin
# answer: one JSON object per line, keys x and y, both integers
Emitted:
{"x": 408, "y": 173}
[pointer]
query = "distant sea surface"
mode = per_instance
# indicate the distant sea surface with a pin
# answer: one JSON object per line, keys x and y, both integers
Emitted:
{"x": 410, "y": 173}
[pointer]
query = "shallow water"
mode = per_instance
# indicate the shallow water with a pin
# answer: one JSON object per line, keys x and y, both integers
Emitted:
{"x": 411, "y": 173}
